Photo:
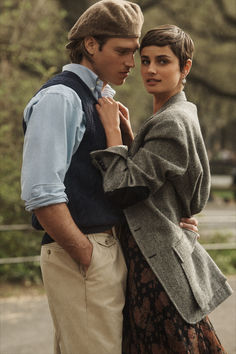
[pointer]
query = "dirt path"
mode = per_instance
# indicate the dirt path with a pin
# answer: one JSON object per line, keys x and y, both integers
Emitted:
{"x": 26, "y": 328}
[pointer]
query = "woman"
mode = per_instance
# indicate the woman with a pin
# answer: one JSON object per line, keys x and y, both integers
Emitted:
{"x": 172, "y": 282}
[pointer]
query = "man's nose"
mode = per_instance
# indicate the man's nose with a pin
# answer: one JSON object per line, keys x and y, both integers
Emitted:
{"x": 130, "y": 61}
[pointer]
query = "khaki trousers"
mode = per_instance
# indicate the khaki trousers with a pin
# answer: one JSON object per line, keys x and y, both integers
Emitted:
{"x": 86, "y": 308}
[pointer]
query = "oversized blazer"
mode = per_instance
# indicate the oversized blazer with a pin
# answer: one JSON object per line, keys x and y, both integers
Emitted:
{"x": 161, "y": 178}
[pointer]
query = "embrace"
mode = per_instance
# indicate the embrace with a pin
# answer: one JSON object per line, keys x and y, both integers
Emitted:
{"x": 121, "y": 264}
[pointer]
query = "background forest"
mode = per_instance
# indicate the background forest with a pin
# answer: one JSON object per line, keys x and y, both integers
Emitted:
{"x": 33, "y": 34}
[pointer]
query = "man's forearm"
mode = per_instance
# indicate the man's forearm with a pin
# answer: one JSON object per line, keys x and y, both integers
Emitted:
{"x": 58, "y": 223}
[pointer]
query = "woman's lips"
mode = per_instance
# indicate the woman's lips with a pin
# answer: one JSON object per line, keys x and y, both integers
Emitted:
{"x": 152, "y": 81}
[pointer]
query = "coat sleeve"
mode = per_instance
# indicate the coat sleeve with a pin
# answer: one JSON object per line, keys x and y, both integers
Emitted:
{"x": 129, "y": 177}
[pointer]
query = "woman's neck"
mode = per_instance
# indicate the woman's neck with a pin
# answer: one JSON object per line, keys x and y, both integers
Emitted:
{"x": 160, "y": 99}
{"x": 157, "y": 104}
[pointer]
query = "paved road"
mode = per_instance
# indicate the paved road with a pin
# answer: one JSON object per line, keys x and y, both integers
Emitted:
{"x": 26, "y": 328}
{"x": 218, "y": 219}
{"x": 25, "y": 324}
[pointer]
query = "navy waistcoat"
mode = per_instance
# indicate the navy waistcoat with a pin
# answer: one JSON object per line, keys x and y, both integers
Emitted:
{"x": 90, "y": 209}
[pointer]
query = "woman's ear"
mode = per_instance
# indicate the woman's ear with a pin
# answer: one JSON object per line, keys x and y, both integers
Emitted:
{"x": 91, "y": 45}
{"x": 187, "y": 68}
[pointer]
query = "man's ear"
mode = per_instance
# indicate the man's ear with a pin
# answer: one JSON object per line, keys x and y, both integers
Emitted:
{"x": 91, "y": 45}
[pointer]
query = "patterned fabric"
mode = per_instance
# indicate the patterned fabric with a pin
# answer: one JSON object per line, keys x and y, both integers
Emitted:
{"x": 169, "y": 158}
{"x": 152, "y": 324}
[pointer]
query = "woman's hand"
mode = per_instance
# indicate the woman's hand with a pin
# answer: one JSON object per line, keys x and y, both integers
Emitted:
{"x": 190, "y": 224}
{"x": 108, "y": 110}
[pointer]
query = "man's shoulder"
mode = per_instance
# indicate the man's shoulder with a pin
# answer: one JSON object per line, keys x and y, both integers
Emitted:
{"x": 63, "y": 91}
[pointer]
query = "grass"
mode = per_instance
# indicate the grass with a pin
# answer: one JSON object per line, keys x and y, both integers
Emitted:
{"x": 225, "y": 259}
{"x": 224, "y": 195}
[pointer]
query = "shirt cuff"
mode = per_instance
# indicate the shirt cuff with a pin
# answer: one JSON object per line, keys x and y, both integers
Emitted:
{"x": 44, "y": 195}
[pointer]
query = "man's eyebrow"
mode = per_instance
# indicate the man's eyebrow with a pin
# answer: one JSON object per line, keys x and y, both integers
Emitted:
{"x": 127, "y": 49}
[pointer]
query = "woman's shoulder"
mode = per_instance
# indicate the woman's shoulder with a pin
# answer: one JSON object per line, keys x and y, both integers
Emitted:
{"x": 180, "y": 108}
{"x": 182, "y": 113}
{"x": 174, "y": 117}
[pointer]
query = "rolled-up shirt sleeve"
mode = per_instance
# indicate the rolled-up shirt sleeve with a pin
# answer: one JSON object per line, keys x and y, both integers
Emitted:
{"x": 55, "y": 127}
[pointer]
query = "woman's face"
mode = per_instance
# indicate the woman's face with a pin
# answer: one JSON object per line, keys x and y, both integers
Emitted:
{"x": 160, "y": 71}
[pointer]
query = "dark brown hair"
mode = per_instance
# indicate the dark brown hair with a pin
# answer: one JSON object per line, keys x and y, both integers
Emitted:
{"x": 180, "y": 42}
{"x": 78, "y": 51}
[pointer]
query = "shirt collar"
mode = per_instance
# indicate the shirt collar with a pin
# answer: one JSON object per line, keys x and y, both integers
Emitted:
{"x": 90, "y": 79}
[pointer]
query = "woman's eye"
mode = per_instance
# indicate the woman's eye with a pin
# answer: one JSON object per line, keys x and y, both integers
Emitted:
{"x": 163, "y": 61}
{"x": 145, "y": 61}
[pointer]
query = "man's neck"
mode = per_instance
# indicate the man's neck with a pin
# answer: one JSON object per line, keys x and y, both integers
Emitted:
{"x": 89, "y": 65}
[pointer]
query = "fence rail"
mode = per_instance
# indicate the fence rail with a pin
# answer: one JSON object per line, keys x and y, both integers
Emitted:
{"x": 21, "y": 227}
{"x": 13, "y": 260}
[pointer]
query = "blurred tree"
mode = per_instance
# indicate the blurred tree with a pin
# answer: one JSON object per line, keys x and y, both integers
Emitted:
{"x": 74, "y": 9}
{"x": 32, "y": 38}
{"x": 29, "y": 47}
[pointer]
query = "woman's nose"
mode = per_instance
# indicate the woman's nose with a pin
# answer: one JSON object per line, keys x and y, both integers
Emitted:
{"x": 152, "y": 68}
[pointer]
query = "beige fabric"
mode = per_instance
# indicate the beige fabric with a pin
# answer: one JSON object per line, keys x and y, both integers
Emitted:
{"x": 86, "y": 308}
{"x": 111, "y": 18}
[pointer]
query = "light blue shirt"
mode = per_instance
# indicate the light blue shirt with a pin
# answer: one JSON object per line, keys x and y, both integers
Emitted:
{"x": 55, "y": 127}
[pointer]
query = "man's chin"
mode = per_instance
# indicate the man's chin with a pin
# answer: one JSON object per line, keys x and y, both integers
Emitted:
{"x": 118, "y": 82}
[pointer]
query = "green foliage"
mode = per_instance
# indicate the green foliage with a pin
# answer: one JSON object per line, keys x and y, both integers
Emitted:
{"x": 32, "y": 39}
{"x": 217, "y": 237}
{"x": 223, "y": 195}
{"x": 31, "y": 36}
{"x": 20, "y": 273}
{"x": 20, "y": 244}
{"x": 225, "y": 259}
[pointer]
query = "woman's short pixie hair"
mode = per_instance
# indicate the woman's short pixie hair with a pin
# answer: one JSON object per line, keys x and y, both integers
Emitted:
{"x": 180, "y": 42}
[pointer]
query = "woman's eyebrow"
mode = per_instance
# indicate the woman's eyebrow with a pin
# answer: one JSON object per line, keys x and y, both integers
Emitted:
{"x": 163, "y": 56}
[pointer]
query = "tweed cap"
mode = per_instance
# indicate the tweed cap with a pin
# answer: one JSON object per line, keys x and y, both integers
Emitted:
{"x": 111, "y": 18}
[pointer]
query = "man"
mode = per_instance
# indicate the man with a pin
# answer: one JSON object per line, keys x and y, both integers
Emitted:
{"x": 83, "y": 268}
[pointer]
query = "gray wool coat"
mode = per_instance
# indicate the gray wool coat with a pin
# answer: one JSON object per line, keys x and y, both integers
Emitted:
{"x": 162, "y": 177}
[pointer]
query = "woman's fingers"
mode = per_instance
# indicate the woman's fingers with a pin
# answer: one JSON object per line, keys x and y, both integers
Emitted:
{"x": 191, "y": 220}
{"x": 103, "y": 100}
{"x": 191, "y": 224}
{"x": 124, "y": 110}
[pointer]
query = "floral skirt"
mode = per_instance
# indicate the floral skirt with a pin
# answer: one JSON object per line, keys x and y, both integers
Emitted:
{"x": 152, "y": 325}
